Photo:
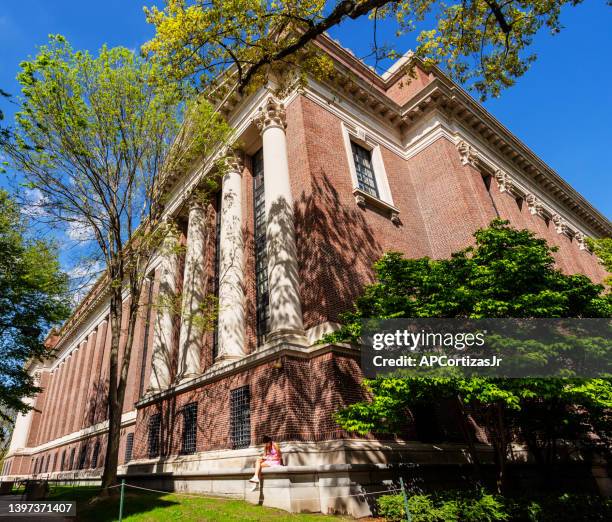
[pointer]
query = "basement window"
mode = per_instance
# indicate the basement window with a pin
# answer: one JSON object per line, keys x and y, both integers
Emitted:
{"x": 190, "y": 424}
{"x": 95, "y": 455}
{"x": 154, "y": 435}
{"x": 240, "y": 417}
{"x": 129, "y": 446}
{"x": 71, "y": 460}
{"x": 83, "y": 456}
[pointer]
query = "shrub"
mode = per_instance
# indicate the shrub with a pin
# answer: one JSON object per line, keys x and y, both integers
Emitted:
{"x": 464, "y": 506}
{"x": 391, "y": 507}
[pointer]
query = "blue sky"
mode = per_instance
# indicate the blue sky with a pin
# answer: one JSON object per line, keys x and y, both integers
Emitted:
{"x": 562, "y": 108}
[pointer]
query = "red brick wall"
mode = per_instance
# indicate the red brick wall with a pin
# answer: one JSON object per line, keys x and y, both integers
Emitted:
{"x": 39, "y": 407}
{"x": 290, "y": 399}
{"x": 441, "y": 204}
{"x": 406, "y": 87}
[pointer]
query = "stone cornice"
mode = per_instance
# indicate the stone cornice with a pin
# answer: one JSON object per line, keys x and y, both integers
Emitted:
{"x": 265, "y": 355}
{"x": 470, "y": 155}
{"x": 367, "y": 89}
{"x": 458, "y": 105}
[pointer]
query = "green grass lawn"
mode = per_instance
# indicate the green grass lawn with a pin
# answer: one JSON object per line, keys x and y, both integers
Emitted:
{"x": 141, "y": 506}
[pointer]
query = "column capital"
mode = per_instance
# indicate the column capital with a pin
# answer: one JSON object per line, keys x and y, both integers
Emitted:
{"x": 271, "y": 114}
{"x": 195, "y": 201}
{"x": 234, "y": 161}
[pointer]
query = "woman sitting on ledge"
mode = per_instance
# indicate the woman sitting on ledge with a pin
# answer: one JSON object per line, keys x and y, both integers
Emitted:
{"x": 272, "y": 457}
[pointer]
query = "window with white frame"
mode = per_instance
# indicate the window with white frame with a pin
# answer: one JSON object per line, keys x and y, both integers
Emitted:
{"x": 366, "y": 179}
{"x": 367, "y": 168}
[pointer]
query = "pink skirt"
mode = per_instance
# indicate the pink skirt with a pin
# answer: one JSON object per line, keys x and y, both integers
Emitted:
{"x": 272, "y": 461}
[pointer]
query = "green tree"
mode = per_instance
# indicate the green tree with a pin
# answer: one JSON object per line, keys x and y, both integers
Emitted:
{"x": 602, "y": 248}
{"x": 4, "y": 132}
{"x": 33, "y": 298}
{"x": 507, "y": 273}
{"x": 99, "y": 136}
{"x": 485, "y": 44}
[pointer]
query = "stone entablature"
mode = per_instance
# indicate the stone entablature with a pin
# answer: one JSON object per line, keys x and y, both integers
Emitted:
{"x": 513, "y": 186}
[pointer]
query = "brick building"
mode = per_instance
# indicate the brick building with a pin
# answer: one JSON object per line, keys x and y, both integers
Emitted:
{"x": 326, "y": 181}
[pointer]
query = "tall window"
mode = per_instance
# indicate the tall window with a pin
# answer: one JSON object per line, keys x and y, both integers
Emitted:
{"x": 154, "y": 434}
{"x": 190, "y": 426}
{"x": 366, "y": 180}
{"x": 145, "y": 343}
{"x": 240, "y": 417}
{"x": 261, "y": 257}
{"x": 63, "y": 461}
{"x": 95, "y": 455}
{"x": 129, "y": 446}
{"x": 217, "y": 269}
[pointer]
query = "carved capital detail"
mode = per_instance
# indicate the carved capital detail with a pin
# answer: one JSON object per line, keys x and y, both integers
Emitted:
{"x": 234, "y": 161}
{"x": 271, "y": 114}
{"x": 504, "y": 181}
{"x": 581, "y": 240}
{"x": 467, "y": 154}
{"x": 560, "y": 224}
{"x": 195, "y": 202}
{"x": 534, "y": 204}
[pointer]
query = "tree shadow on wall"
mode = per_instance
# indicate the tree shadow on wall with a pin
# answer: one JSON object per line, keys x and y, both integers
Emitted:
{"x": 336, "y": 250}
{"x": 96, "y": 407}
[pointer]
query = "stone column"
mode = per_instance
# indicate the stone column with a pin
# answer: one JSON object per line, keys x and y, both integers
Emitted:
{"x": 283, "y": 276}
{"x": 164, "y": 320}
{"x": 231, "y": 264}
{"x": 194, "y": 281}
{"x": 21, "y": 430}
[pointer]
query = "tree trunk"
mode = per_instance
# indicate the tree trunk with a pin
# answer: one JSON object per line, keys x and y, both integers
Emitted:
{"x": 118, "y": 378}
{"x": 109, "y": 477}
{"x": 501, "y": 449}
{"x": 467, "y": 433}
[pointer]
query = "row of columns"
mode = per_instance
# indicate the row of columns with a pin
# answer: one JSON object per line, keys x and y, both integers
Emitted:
{"x": 283, "y": 282}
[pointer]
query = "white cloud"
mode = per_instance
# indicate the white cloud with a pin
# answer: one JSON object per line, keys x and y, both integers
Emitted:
{"x": 78, "y": 231}
{"x": 34, "y": 203}
{"x": 82, "y": 277}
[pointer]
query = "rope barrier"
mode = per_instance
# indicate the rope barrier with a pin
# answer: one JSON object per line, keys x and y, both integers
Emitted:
{"x": 363, "y": 494}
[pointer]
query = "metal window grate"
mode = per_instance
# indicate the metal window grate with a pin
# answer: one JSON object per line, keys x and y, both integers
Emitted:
{"x": 83, "y": 455}
{"x": 129, "y": 446}
{"x": 215, "y": 344}
{"x": 261, "y": 255}
{"x": 95, "y": 454}
{"x": 366, "y": 180}
{"x": 190, "y": 426}
{"x": 145, "y": 342}
{"x": 154, "y": 434}
{"x": 240, "y": 417}
{"x": 71, "y": 460}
